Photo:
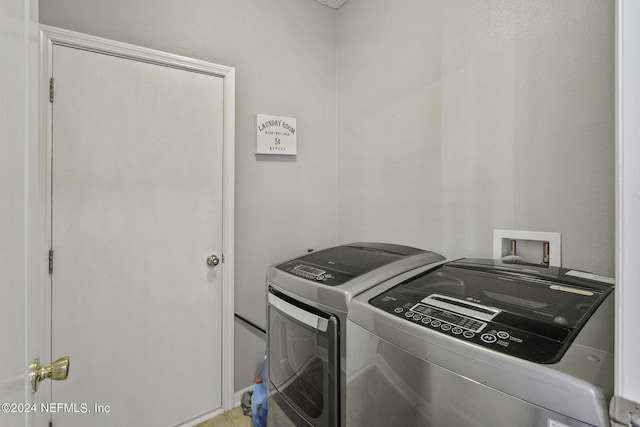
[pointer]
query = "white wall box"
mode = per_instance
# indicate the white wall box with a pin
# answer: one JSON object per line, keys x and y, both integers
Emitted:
{"x": 530, "y": 245}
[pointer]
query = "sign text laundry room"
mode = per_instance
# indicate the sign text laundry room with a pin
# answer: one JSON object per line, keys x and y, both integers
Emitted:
{"x": 275, "y": 135}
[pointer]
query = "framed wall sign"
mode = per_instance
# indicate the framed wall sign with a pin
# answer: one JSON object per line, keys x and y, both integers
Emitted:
{"x": 275, "y": 135}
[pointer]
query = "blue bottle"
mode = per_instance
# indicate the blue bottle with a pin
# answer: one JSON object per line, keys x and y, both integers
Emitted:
{"x": 259, "y": 399}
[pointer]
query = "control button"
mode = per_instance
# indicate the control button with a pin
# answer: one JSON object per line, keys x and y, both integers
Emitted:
{"x": 417, "y": 317}
{"x": 468, "y": 334}
{"x": 445, "y": 327}
{"x": 398, "y": 310}
{"x": 436, "y": 323}
{"x": 408, "y": 314}
{"x": 503, "y": 335}
{"x": 488, "y": 338}
{"x": 426, "y": 320}
{"x": 457, "y": 330}
{"x": 320, "y": 277}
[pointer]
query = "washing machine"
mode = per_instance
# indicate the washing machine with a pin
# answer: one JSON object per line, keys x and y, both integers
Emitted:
{"x": 482, "y": 343}
{"x": 307, "y": 303}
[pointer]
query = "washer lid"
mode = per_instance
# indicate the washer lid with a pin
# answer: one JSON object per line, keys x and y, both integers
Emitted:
{"x": 544, "y": 294}
{"x": 530, "y": 312}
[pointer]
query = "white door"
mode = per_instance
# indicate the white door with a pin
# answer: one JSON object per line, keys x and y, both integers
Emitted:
{"x": 12, "y": 212}
{"x": 136, "y": 210}
{"x": 23, "y": 305}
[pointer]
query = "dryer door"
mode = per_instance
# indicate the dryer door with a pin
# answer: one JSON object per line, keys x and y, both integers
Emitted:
{"x": 303, "y": 364}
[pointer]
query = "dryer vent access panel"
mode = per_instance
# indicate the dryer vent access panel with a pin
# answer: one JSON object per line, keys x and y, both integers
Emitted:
{"x": 533, "y": 247}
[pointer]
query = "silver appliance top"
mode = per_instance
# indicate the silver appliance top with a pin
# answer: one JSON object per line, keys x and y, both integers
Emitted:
{"x": 331, "y": 277}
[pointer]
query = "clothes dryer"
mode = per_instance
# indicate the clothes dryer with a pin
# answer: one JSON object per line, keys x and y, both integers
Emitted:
{"x": 308, "y": 300}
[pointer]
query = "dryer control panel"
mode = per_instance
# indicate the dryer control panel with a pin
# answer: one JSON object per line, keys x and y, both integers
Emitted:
{"x": 336, "y": 266}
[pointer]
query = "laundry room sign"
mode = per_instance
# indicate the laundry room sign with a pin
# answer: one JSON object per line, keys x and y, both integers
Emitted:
{"x": 275, "y": 135}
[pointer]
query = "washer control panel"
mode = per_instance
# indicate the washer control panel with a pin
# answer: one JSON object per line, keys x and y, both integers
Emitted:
{"x": 425, "y": 312}
{"x": 455, "y": 324}
{"x": 484, "y": 326}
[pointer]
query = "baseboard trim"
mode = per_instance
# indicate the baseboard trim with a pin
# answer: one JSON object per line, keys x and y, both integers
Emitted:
{"x": 211, "y": 414}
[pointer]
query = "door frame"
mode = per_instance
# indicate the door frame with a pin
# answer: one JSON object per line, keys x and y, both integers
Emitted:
{"x": 627, "y": 350}
{"x": 50, "y": 36}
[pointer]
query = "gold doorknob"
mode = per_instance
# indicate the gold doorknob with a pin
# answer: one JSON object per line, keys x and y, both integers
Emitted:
{"x": 58, "y": 370}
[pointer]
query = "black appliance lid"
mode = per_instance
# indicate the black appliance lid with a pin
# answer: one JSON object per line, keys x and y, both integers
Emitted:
{"x": 530, "y": 312}
{"x": 545, "y": 294}
{"x": 348, "y": 261}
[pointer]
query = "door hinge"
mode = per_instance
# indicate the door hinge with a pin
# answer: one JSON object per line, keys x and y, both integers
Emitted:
{"x": 51, "y": 90}
{"x": 50, "y": 261}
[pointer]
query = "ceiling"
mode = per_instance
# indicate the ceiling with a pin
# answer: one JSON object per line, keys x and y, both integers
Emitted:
{"x": 333, "y": 3}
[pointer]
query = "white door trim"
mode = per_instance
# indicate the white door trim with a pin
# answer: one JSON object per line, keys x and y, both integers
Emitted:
{"x": 50, "y": 36}
{"x": 627, "y": 351}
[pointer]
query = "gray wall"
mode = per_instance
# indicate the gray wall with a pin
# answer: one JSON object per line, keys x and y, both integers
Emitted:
{"x": 457, "y": 117}
{"x": 284, "y": 55}
{"x": 454, "y": 118}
